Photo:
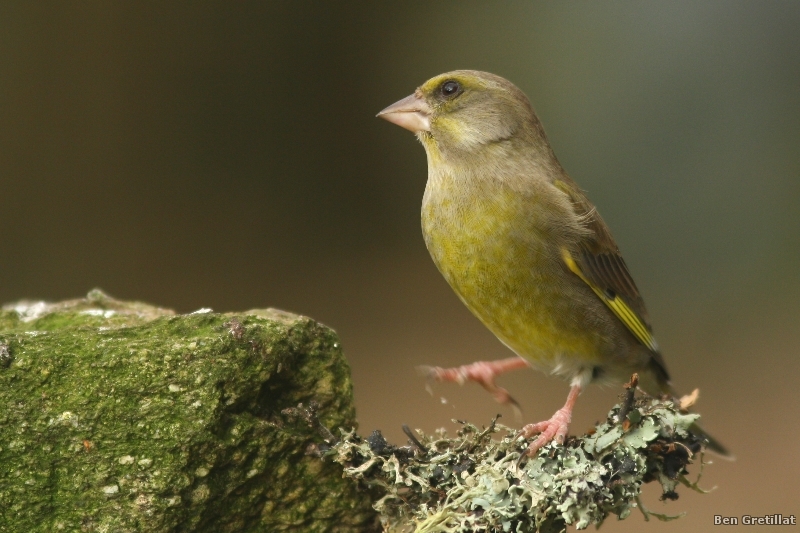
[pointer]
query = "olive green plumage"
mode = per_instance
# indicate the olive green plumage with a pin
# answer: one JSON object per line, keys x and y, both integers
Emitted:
{"x": 519, "y": 241}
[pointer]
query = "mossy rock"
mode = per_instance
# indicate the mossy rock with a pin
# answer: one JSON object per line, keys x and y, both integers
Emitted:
{"x": 122, "y": 417}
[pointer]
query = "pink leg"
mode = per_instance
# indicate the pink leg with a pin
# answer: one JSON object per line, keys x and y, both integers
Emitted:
{"x": 483, "y": 372}
{"x": 553, "y": 429}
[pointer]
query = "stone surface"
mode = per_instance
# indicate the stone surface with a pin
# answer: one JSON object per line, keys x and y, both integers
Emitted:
{"x": 122, "y": 417}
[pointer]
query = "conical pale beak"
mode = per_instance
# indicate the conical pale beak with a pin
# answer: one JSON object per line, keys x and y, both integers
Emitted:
{"x": 411, "y": 113}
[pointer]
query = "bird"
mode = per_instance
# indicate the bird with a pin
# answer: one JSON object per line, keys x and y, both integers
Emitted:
{"x": 524, "y": 248}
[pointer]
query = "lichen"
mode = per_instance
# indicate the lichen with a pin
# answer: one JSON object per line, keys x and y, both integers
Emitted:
{"x": 478, "y": 482}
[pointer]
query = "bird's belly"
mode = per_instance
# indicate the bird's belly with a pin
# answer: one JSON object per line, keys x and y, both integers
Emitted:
{"x": 507, "y": 272}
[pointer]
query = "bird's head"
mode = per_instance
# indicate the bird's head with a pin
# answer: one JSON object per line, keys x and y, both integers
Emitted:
{"x": 465, "y": 112}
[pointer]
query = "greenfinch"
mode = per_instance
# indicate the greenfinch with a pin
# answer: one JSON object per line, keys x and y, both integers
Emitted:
{"x": 523, "y": 247}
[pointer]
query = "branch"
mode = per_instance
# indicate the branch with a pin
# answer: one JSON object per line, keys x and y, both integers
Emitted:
{"x": 472, "y": 482}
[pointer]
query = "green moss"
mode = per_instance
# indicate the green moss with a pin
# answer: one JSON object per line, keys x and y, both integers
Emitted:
{"x": 476, "y": 482}
{"x": 120, "y": 417}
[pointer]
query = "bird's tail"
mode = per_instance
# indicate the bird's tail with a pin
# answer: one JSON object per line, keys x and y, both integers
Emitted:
{"x": 659, "y": 381}
{"x": 712, "y": 444}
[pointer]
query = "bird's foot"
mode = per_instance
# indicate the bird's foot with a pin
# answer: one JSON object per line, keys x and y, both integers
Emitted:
{"x": 554, "y": 429}
{"x": 482, "y": 372}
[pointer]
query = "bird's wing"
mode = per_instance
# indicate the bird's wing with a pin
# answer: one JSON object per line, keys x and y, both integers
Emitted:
{"x": 598, "y": 262}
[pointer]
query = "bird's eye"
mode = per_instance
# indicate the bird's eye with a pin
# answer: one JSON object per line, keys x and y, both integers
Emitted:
{"x": 450, "y": 89}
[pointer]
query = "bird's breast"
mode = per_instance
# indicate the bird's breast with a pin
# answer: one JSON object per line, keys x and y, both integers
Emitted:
{"x": 495, "y": 248}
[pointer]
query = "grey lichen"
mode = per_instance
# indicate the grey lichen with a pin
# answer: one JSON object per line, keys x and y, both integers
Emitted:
{"x": 476, "y": 482}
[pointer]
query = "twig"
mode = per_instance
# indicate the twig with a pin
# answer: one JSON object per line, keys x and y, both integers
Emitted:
{"x": 410, "y": 435}
{"x": 309, "y": 414}
{"x": 627, "y": 403}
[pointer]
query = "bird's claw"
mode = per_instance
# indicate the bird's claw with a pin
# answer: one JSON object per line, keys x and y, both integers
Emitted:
{"x": 554, "y": 429}
{"x": 483, "y": 373}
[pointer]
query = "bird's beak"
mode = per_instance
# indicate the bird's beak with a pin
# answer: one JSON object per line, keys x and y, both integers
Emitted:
{"x": 411, "y": 113}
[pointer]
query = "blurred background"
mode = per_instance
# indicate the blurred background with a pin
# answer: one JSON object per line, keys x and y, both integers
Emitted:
{"x": 226, "y": 155}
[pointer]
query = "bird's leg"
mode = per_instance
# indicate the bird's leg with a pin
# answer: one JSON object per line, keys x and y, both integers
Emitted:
{"x": 553, "y": 429}
{"x": 483, "y": 372}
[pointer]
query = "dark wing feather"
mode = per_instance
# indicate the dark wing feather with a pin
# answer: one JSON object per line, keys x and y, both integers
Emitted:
{"x": 601, "y": 265}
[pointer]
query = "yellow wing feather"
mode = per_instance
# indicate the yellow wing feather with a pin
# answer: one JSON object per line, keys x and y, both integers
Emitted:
{"x": 616, "y": 304}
